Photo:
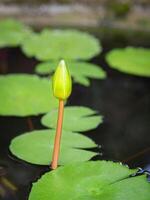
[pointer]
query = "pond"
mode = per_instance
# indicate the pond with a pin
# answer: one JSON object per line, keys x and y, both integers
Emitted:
{"x": 123, "y": 100}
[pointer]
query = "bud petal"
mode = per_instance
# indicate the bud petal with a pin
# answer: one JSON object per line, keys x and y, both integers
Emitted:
{"x": 62, "y": 83}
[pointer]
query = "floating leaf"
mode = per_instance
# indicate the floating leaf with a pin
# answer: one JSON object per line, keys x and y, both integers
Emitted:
{"x": 80, "y": 71}
{"x": 12, "y": 32}
{"x": 76, "y": 118}
{"x": 22, "y": 95}
{"x": 58, "y": 44}
{"x": 37, "y": 146}
{"x": 130, "y": 60}
{"x": 101, "y": 180}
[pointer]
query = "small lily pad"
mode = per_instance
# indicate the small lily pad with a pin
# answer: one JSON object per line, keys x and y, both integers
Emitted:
{"x": 58, "y": 44}
{"x": 37, "y": 146}
{"x": 130, "y": 60}
{"x": 80, "y": 71}
{"x": 12, "y": 33}
{"x": 23, "y": 95}
{"x": 76, "y": 118}
{"x": 101, "y": 180}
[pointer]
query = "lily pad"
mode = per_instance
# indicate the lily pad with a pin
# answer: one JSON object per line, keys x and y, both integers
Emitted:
{"x": 58, "y": 44}
{"x": 101, "y": 180}
{"x": 37, "y": 146}
{"x": 23, "y": 95}
{"x": 80, "y": 71}
{"x": 130, "y": 60}
{"x": 76, "y": 118}
{"x": 12, "y": 33}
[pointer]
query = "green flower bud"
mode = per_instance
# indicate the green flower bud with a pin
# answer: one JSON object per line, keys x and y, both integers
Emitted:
{"x": 62, "y": 83}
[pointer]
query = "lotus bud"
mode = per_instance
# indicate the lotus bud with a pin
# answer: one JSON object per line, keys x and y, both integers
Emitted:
{"x": 62, "y": 83}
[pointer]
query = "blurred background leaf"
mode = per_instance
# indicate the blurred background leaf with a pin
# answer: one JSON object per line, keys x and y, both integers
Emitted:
{"x": 130, "y": 60}
{"x": 80, "y": 71}
{"x": 12, "y": 33}
{"x": 23, "y": 95}
{"x": 58, "y": 44}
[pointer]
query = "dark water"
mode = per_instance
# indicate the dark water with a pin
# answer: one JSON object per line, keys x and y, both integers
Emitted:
{"x": 123, "y": 100}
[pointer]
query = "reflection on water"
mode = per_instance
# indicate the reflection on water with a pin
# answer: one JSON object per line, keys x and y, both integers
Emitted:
{"x": 7, "y": 188}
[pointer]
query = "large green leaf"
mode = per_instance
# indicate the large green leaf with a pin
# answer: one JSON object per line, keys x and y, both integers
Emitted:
{"x": 22, "y": 95}
{"x": 130, "y": 60}
{"x": 80, "y": 71}
{"x": 76, "y": 118}
{"x": 36, "y": 147}
{"x": 101, "y": 180}
{"x": 12, "y": 33}
{"x": 58, "y": 44}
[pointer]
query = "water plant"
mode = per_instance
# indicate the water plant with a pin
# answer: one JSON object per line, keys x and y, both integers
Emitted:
{"x": 13, "y": 33}
{"x": 91, "y": 181}
{"x": 62, "y": 86}
{"x": 66, "y": 44}
{"x": 49, "y": 46}
{"x": 131, "y": 60}
{"x": 26, "y": 95}
{"x": 58, "y": 44}
{"x": 75, "y": 147}
{"x": 41, "y": 143}
{"x": 81, "y": 72}
{"x": 76, "y": 119}
{"x": 19, "y": 95}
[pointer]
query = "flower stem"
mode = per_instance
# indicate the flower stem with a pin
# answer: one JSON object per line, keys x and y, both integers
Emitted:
{"x": 58, "y": 135}
{"x": 30, "y": 124}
